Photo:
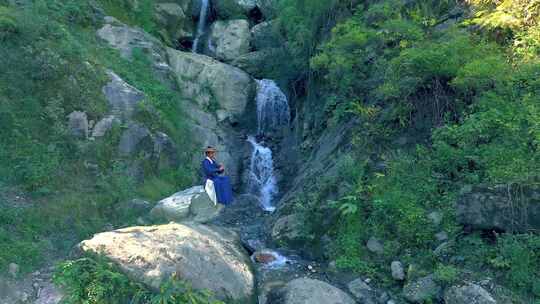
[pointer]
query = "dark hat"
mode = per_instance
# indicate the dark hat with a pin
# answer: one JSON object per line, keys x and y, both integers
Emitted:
{"x": 210, "y": 149}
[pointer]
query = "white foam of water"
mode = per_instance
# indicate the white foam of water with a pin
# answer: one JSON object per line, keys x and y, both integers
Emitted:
{"x": 201, "y": 25}
{"x": 262, "y": 181}
{"x": 272, "y": 107}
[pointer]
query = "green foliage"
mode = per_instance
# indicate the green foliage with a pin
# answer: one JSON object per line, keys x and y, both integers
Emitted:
{"x": 137, "y": 13}
{"x": 97, "y": 281}
{"x": 8, "y": 26}
{"x": 446, "y": 274}
{"x": 519, "y": 256}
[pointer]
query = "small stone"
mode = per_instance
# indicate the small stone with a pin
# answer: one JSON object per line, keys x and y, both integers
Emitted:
{"x": 362, "y": 291}
{"x": 264, "y": 257}
{"x": 391, "y": 302}
{"x": 36, "y": 285}
{"x": 13, "y": 269}
{"x": 441, "y": 236}
{"x": 384, "y": 297}
{"x": 375, "y": 246}
{"x": 78, "y": 124}
{"x": 398, "y": 272}
{"x": 435, "y": 217}
{"x": 310, "y": 267}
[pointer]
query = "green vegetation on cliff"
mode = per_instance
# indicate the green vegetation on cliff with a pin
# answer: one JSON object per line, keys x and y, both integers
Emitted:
{"x": 51, "y": 64}
{"x": 447, "y": 96}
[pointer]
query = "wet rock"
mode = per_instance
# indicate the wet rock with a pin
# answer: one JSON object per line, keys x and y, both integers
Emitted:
{"x": 422, "y": 290}
{"x": 398, "y": 272}
{"x": 375, "y": 245}
{"x": 206, "y": 257}
{"x": 309, "y": 291}
{"x": 192, "y": 204}
{"x": 135, "y": 139}
{"x": 468, "y": 294}
{"x": 123, "y": 99}
{"x": 229, "y": 39}
{"x": 498, "y": 208}
{"x": 78, "y": 124}
{"x": 264, "y": 257}
{"x": 362, "y": 291}
{"x": 289, "y": 229}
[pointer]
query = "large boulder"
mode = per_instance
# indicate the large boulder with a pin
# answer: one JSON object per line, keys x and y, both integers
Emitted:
{"x": 227, "y": 9}
{"x": 127, "y": 39}
{"x": 123, "y": 98}
{"x": 500, "y": 207}
{"x": 289, "y": 229}
{"x": 229, "y": 39}
{"x": 209, "y": 258}
{"x": 468, "y": 294}
{"x": 174, "y": 19}
{"x": 192, "y": 204}
{"x": 135, "y": 139}
{"x": 309, "y": 291}
{"x": 212, "y": 84}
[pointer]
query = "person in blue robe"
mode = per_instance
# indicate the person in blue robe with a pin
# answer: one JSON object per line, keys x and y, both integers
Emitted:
{"x": 215, "y": 172}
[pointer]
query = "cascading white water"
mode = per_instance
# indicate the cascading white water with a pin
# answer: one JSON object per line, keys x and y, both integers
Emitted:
{"x": 272, "y": 115}
{"x": 272, "y": 107}
{"x": 262, "y": 181}
{"x": 201, "y": 25}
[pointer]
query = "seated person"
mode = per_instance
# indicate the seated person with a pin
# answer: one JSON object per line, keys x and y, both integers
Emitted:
{"x": 217, "y": 185}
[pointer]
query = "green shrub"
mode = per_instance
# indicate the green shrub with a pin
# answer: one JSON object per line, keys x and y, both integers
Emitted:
{"x": 95, "y": 280}
{"x": 8, "y": 26}
{"x": 446, "y": 274}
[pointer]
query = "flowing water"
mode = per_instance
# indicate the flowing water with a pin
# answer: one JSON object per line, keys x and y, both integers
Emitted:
{"x": 201, "y": 25}
{"x": 272, "y": 116}
{"x": 262, "y": 181}
{"x": 273, "y": 112}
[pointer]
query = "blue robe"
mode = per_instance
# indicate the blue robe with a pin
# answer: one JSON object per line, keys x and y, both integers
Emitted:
{"x": 222, "y": 184}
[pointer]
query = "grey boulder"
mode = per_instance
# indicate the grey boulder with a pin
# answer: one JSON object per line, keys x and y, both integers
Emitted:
{"x": 123, "y": 98}
{"x": 209, "y": 258}
{"x": 468, "y": 294}
{"x": 500, "y": 207}
{"x": 229, "y": 39}
{"x": 192, "y": 204}
{"x": 422, "y": 290}
{"x": 309, "y": 291}
{"x": 211, "y": 83}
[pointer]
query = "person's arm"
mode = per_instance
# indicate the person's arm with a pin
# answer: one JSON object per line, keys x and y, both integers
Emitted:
{"x": 210, "y": 169}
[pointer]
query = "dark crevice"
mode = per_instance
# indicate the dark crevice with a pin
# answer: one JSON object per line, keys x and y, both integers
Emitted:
{"x": 184, "y": 44}
{"x": 255, "y": 15}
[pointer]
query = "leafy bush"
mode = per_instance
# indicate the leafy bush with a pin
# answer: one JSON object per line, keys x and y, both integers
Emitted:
{"x": 97, "y": 281}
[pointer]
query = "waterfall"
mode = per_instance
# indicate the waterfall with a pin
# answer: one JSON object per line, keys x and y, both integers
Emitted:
{"x": 272, "y": 115}
{"x": 201, "y": 25}
{"x": 272, "y": 107}
{"x": 262, "y": 181}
